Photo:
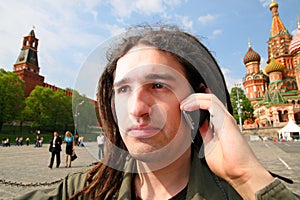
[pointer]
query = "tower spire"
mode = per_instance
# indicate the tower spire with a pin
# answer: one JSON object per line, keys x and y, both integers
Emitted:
{"x": 249, "y": 42}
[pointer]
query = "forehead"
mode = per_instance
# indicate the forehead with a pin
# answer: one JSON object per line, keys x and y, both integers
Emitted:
{"x": 147, "y": 56}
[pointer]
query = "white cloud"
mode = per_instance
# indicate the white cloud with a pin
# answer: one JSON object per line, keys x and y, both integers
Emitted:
{"x": 149, "y": 7}
{"x": 114, "y": 29}
{"x": 174, "y": 3}
{"x": 230, "y": 81}
{"x": 265, "y": 3}
{"x": 186, "y": 23}
{"x": 207, "y": 19}
{"x": 122, "y": 8}
{"x": 125, "y": 8}
{"x": 216, "y": 33}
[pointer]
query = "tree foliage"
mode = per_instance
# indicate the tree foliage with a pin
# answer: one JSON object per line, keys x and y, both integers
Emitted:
{"x": 247, "y": 108}
{"x": 47, "y": 109}
{"x": 84, "y": 112}
{"x": 11, "y": 97}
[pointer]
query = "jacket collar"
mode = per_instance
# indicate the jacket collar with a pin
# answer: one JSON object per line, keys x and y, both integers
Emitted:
{"x": 197, "y": 183}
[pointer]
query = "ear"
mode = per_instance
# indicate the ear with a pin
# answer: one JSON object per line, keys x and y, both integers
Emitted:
{"x": 204, "y": 114}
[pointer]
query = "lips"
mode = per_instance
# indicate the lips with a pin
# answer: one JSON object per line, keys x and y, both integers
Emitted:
{"x": 142, "y": 131}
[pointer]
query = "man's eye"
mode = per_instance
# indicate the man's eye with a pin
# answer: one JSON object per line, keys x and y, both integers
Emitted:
{"x": 122, "y": 89}
{"x": 158, "y": 85}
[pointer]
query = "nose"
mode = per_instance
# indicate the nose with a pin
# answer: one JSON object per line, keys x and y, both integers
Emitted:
{"x": 139, "y": 103}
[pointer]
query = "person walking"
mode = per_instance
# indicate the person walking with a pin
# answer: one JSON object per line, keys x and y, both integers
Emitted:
{"x": 55, "y": 149}
{"x": 100, "y": 142}
{"x": 69, "y": 140}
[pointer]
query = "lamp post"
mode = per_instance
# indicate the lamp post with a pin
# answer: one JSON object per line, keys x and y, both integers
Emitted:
{"x": 76, "y": 116}
{"x": 239, "y": 106}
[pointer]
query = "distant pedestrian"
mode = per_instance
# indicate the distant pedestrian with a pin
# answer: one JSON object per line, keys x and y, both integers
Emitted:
{"x": 55, "y": 149}
{"x": 21, "y": 141}
{"x": 80, "y": 139}
{"x": 17, "y": 141}
{"x": 70, "y": 142}
{"x": 5, "y": 142}
{"x": 100, "y": 142}
{"x": 27, "y": 141}
{"x": 76, "y": 140}
{"x": 37, "y": 141}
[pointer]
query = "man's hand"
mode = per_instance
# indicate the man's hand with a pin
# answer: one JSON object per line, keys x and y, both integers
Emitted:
{"x": 227, "y": 153}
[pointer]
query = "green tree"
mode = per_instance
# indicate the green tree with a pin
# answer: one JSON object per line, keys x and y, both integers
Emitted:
{"x": 11, "y": 97}
{"x": 47, "y": 109}
{"x": 247, "y": 108}
{"x": 63, "y": 114}
{"x": 84, "y": 112}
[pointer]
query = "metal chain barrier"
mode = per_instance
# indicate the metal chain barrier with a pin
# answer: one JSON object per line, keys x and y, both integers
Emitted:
{"x": 20, "y": 184}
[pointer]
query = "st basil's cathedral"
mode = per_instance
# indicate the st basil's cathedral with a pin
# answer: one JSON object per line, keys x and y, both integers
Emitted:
{"x": 275, "y": 92}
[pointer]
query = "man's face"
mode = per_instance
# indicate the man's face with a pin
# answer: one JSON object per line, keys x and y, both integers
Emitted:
{"x": 149, "y": 85}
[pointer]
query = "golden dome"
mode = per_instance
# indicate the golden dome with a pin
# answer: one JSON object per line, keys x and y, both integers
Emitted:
{"x": 273, "y": 4}
{"x": 273, "y": 66}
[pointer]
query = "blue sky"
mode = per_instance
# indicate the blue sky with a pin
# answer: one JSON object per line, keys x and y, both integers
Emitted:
{"x": 69, "y": 30}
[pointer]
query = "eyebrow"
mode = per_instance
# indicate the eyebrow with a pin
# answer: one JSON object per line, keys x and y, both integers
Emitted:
{"x": 147, "y": 77}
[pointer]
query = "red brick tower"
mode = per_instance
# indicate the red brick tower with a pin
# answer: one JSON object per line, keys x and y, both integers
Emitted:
{"x": 27, "y": 66}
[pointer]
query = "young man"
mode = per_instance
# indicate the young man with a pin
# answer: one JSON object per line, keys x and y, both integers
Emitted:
{"x": 165, "y": 111}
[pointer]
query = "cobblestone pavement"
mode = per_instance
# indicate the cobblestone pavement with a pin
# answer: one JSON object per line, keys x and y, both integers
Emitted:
{"x": 27, "y": 165}
{"x": 280, "y": 158}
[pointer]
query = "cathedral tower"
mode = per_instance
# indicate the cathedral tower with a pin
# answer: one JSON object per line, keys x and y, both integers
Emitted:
{"x": 278, "y": 46}
{"x": 255, "y": 80}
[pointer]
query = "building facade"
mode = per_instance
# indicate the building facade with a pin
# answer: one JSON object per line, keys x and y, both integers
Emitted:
{"x": 27, "y": 66}
{"x": 275, "y": 92}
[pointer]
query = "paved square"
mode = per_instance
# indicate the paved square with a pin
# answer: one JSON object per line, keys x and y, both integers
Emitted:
{"x": 26, "y": 166}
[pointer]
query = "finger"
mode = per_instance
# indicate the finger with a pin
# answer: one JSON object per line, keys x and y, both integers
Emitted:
{"x": 210, "y": 102}
{"x": 205, "y": 132}
{"x": 195, "y": 102}
{"x": 218, "y": 113}
{"x": 209, "y": 139}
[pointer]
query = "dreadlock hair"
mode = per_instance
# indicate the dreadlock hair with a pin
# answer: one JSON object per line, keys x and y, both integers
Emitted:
{"x": 103, "y": 182}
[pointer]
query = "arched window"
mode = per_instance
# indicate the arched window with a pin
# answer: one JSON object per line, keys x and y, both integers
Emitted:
{"x": 285, "y": 117}
{"x": 294, "y": 85}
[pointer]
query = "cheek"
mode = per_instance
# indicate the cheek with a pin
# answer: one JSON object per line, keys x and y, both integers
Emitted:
{"x": 173, "y": 116}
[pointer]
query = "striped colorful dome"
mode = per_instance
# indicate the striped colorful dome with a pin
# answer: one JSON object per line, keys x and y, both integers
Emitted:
{"x": 273, "y": 66}
{"x": 295, "y": 43}
{"x": 251, "y": 56}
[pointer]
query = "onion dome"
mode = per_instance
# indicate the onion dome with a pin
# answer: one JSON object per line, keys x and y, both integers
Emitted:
{"x": 273, "y": 4}
{"x": 251, "y": 56}
{"x": 273, "y": 66}
{"x": 295, "y": 43}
